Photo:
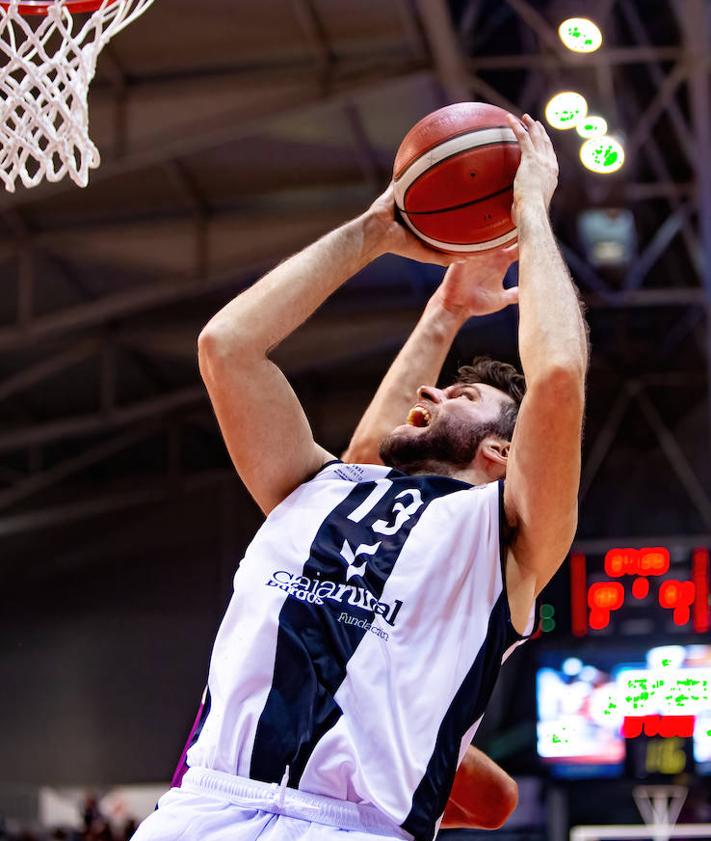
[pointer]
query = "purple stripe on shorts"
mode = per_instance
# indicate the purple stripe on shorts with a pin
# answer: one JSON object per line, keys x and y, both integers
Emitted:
{"x": 182, "y": 767}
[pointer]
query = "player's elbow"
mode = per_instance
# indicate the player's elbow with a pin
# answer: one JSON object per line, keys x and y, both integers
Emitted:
{"x": 565, "y": 371}
{"x": 219, "y": 342}
{"x": 508, "y": 802}
{"x": 209, "y": 348}
{"x": 561, "y": 385}
{"x": 502, "y": 806}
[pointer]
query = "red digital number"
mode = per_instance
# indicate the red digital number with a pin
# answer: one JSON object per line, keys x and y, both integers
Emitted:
{"x": 604, "y": 597}
{"x": 678, "y": 596}
{"x": 652, "y": 560}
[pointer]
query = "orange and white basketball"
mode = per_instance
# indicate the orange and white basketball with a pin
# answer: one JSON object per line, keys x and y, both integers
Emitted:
{"x": 453, "y": 178}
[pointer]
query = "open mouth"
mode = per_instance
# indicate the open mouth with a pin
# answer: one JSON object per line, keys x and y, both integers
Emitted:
{"x": 419, "y": 416}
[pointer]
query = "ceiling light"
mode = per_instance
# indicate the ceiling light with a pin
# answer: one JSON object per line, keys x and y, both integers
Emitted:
{"x": 580, "y": 35}
{"x": 592, "y": 127}
{"x": 602, "y": 154}
{"x": 566, "y": 109}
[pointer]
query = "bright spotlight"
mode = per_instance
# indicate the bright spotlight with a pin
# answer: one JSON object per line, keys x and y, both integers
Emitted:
{"x": 580, "y": 35}
{"x": 592, "y": 127}
{"x": 602, "y": 154}
{"x": 566, "y": 109}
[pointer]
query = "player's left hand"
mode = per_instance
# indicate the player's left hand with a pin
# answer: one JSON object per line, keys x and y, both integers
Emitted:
{"x": 537, "y": 174}
{"x": 476, "y": 287}
{"x": 397, "y": 239}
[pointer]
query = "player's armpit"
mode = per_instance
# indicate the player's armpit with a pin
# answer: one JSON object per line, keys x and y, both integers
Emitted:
{"x": 543, "y": 473}
{"x": 483, "y": 795}
{"x": 264, "y": 426}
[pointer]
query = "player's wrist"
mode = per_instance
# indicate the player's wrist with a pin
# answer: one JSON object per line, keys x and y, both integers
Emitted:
{"x": 377, "y": 232}
{"x": 533, "y": 201}
{"x": 530, "y": 212}
{"x": 445, "y": 312}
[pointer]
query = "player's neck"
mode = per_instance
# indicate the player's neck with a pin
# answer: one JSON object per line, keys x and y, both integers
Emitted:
{"x": 473, "y": 474}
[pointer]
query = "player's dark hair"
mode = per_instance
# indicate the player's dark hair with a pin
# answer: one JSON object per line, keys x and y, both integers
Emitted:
{"x": 500, "y": 375}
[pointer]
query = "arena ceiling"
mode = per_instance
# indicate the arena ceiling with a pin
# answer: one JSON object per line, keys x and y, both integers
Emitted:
{"x": 233, "y": 133}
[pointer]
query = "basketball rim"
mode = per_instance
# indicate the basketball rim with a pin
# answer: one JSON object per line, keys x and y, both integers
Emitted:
{"x": 41, "y": 7}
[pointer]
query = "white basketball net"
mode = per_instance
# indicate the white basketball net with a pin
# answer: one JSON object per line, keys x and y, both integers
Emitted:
{"x": 48, "y": 64}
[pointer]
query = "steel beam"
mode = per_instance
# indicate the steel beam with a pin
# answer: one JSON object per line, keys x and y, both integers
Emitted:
{"x": 656, "y": 73}
{"x": 676, "y": 458}
{"x": 90, "y": 424}
{"x": 607, "y": 56}
{"x": 604, "y": 439}
{"x": 656, "y": 247}
{"x": 661, "y": 297}
{"x": 83, "y": 509}
{"x": 661, "y": 171}
{"x": 187, "y": 188}
{"x": 315, "y": 34}
{"x": 446, "y": 50}
{"x": 695, "y": 20}
{"x": 535, "y": 20}
{"x": 122, "y": 304}
{"x": 69, "y": 467}
{"x": 654, "y": 110}
{"x": 45, "y": 368}
{"x": 670, "y": 190}
{"x": 365, "y": 153}
{"x": 412, "y": 27}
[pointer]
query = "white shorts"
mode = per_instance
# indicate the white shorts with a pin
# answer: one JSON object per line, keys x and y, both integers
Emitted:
{"x": 213, "y": 806}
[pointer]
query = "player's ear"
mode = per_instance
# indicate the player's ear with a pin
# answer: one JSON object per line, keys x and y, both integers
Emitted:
{"x": 496, "y": 450}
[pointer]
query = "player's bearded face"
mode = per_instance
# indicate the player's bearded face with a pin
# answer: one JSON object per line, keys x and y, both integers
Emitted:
{"x": 447, "y": 441}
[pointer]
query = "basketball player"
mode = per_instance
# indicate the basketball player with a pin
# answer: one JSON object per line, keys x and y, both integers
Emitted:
{"x": 374, "y": 607}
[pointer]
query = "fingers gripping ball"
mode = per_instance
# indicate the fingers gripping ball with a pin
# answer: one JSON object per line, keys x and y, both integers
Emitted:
{"x": 453, "y": 178}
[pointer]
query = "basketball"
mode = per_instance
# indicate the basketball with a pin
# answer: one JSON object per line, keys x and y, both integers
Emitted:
{"x": 453, "y": 178}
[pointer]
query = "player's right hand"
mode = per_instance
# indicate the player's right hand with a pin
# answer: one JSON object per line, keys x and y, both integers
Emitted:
{"x": 537, "y": 175}
{"x": 396, "y": 238}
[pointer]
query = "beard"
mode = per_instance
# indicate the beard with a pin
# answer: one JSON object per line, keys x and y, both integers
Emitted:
{"x": 442, "y": 448}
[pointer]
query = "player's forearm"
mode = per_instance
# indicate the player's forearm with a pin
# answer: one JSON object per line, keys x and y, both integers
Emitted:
{"x": 265, "y": 314}
{"x": 552, "y": 333}
{"x": 419, "y": 362}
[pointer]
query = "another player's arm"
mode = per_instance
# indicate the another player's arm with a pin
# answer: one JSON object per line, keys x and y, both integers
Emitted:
{"x": 420, "y": 361}
{"x": 483, "y": 795}
{"x": 471, "y": 288}
{"x": 543, "y": 472}
{"x": 263, "y": 424}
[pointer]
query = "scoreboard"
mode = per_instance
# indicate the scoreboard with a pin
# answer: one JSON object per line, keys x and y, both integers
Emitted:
{"x": 627, "y": 691}
{"x": 639, "y": 591}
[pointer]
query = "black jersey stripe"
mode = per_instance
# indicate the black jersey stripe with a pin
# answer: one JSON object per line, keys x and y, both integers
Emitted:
{"x": 313, "y": 647}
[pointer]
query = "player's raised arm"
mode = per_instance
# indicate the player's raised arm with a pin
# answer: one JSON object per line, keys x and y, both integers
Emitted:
{"x": 543, "y": 472}
{"x": 470, "y": 288}
{"x": 263, "y": 424}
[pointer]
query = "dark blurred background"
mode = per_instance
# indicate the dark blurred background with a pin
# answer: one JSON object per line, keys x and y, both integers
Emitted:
{"x": 232, "y": 133}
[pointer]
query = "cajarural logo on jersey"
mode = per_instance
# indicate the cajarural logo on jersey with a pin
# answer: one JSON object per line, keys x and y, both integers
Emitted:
{"x": 318, "y": 590}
